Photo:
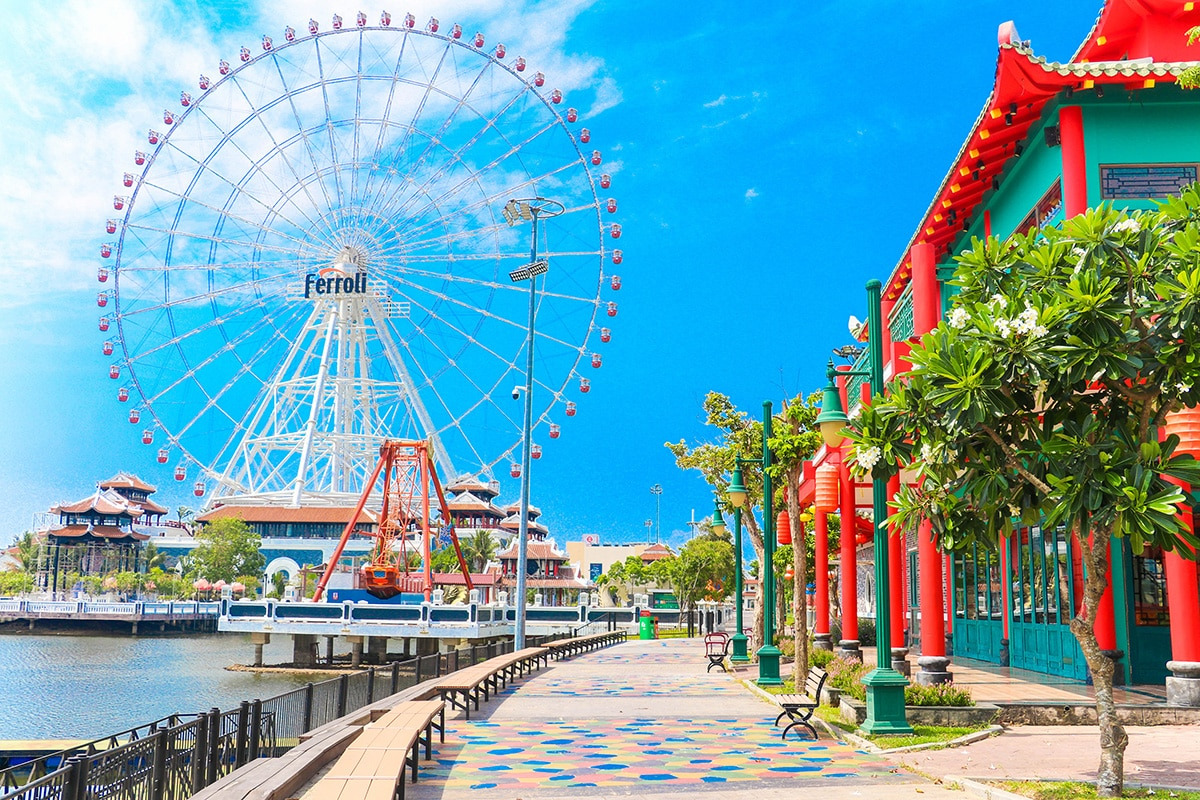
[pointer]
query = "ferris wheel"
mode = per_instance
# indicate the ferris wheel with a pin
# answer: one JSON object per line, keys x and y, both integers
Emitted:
{"x": 310, "y": 255}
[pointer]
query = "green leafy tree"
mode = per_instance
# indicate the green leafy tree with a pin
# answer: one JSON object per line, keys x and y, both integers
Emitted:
{"x": 1040, "y": 397}
{"x": 702, "y": 570}
{"x": 478, "y": 549}
{"x": 14, "y": 582}
{"x": 795, "y": 437}
{"x": 738, "y": 435}
{"x": 623, "y": 576}
{"x": 1190, "y": 77}
{"x": 153, "y": 557}
{"x": 27, "y": 551}
{"x": 278, "y": 584}
{"x": 226, "y": 548}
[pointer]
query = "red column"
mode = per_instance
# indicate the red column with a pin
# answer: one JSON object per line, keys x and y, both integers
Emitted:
{"x": 1183, "y": 597}
{"x": 1005, "y": 581}
{"x": 947, "y": 575}
{"x": 929, "y": 562}
{"x": 849, "y": 561}
{"x": 821, "y": 556}
{"x": 926, "y": 295}
{"x": 1074, "y": 161}
{"x": 896, "y": 583}
{"x": 1105, "y": 622}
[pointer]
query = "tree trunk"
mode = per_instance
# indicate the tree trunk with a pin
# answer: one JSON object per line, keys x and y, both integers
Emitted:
{"x": 799, "y": 582}
{"x": 1110, "y": 779}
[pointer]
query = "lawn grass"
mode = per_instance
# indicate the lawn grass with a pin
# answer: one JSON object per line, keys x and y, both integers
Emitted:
{"x": 1078, "y": 790}
{"x": 922, "y": 734}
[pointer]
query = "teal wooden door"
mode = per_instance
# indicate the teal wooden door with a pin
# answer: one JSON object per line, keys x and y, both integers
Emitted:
{"x": 1149, "y": 629}
{"x": 1047, "y": 585}
{"x": 978, "y": 624}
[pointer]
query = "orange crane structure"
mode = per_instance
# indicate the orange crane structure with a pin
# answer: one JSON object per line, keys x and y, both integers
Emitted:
{"x": 408, "y": 476}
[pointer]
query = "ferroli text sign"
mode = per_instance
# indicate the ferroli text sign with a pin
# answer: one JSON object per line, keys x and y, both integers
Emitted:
{"x": 335, "y": 283}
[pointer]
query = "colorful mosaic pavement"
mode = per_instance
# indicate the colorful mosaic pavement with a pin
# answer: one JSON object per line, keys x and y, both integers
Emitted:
{"x": 540, "y": 686}
{"x": 580, "y": 754}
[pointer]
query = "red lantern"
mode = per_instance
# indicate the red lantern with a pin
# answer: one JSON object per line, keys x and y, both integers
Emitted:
{"x": 596, "y": 360}
{"x": 110, "y": 226}
{"x": 826, "y": 494}
{"x": 612, "y": 308}
{"x": 104, "y": 323}
{"x": 615, "y": 282}
{"x": 520, "y": 63}
{"x": 114, "y": 371}
{"x": 148, "y": 436}
{"x": 501, "y": 51}
{"x": 605, "y": 180}
{"x": 585, "y": 135}
{"x": 127, "y": 179}
{"x": 596, "y": 159}
{"x": 789, "y": 574}
{"x": 572, "y": 114}
{"x": 585, "y": 385}
{"x": 1185, "y": 424}
{"x": 456, "y": 31}
{"x": 478, "y": 39}
{"x": 539, "y": 79}
{"x": 514, "y": 469}
{"x": 605, "y": 335}
{"x": 535, "y": 451}
{"x": 555, "y": 431}
{"x": 122, "y": 394}
{"x": 102, "y": 275}
{"x": 783, "y": 528}
{"x": 180, "y": 473}
{"x": 570, "y": 408}
{"x": 617, "y": 256}
{"x": 134, "y": 416}
{"x": 198, "y": 489}
{"x": 107, "y": 348}
{"x": 616, "y": 230}
{"x": 162, "y": 455}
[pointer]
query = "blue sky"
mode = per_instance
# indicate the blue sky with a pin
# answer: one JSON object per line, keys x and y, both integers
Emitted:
{"x": 768, "y": 159}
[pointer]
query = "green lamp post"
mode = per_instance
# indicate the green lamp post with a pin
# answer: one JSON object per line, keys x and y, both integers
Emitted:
{"x": 885, "y": 686}
{"x": 768, "y": 654}
{"x": 739, "y": 639}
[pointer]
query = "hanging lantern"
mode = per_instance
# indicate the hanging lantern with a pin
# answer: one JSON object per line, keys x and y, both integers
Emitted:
{"x": 1185, "y": 424}
{"x": 789, "y": 574}
{"x": 783, "y": 528}
{"x": 570, "y": 408}
{"x": 826, "y": 495}
{"x": 555, "y": 431}
{"x": 514, "y": 469}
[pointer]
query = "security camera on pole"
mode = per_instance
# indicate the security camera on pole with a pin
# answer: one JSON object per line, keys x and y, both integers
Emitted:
{"x": 529, "y": 210}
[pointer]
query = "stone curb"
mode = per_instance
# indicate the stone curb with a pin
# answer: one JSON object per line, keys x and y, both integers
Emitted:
{"x": 982, "y": 790}
{"x": 979, "y": 787}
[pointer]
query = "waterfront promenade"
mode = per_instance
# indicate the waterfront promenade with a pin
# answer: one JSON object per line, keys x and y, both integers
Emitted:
{"x": 643, "y": 719}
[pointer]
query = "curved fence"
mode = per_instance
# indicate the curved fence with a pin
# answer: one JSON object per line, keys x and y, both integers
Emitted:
{"x": 174, "y": 757}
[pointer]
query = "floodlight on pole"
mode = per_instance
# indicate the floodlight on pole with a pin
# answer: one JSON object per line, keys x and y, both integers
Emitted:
{"x": 530, "y": 210}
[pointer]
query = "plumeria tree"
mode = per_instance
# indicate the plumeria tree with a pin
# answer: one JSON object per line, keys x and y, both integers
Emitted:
{"x": 1039, "y": 401}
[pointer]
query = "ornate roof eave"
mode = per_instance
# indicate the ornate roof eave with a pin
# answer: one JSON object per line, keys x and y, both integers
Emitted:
{"x": 1024, "y": 85}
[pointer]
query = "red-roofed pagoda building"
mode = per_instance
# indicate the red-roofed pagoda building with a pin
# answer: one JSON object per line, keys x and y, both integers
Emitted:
{"x": 1111, "y": 125}
{"x": 97, "y": 535}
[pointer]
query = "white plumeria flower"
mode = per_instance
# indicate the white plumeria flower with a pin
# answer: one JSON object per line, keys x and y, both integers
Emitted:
{"x": 959, "y": 317}
{"x": 999, "y": 301}
{"x": 1129, "y": 225}
{"x": 1183, "y": 387}
{"x": 868, "y": 458}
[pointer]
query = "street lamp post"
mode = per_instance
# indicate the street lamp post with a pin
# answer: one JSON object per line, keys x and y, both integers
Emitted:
{"x": 656, "y": 490}
{"x": 740, "y": 655}
{"x": 649, "y": 529}
{"x": 529, "y": 210}
{"x": 768, "y": 654}
{"x": 885, "y": 686}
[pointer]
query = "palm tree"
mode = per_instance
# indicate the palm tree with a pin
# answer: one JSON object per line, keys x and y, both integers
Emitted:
{"x": 27, "y": 552}
{"x": 478, "y": 549}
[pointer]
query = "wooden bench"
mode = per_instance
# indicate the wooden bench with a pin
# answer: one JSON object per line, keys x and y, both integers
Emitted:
{"x": 562, "y": 648}
{"x": 462, "y": 689}
{"x": 373, "y": 766}
{"x": 799, "y": 708}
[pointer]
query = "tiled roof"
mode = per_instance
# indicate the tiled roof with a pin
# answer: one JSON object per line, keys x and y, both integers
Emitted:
{"x": 513, "y": 523}
{"x": 468, "y": 501}
{"x": 536, "y": 550}
{"x": 475, "y": 485}
{"x": 105, "y": 501}
{"x": 151, "y": 507}
{"x": 515, "y": 508}
{"x": 109, "y": 532}
{"x": 125, "y": 480}
{"x": 329, "y": 514}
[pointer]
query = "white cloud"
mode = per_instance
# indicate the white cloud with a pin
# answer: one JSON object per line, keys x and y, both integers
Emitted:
{"x": 720, "y": 101}
{"x": 751, "y": 193}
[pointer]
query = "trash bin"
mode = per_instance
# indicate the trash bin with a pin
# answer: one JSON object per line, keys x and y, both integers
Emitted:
{"x": 646, "y": 630}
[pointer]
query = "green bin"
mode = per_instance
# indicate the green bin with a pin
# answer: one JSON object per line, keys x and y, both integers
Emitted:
{"x": 646, "y": 631}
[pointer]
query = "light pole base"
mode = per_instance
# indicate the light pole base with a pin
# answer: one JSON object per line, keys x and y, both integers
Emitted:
{"x": 885, "y": 703}
{"x": 768, "y": 666}
{"x": 822, "y": 641}
{"x": 741, "y": 653}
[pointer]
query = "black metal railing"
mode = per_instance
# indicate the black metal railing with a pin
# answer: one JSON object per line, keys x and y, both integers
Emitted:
{"x": 174, "y": 757}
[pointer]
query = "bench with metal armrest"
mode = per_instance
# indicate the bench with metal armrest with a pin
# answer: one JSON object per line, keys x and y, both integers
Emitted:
{"x": 799, "y": 708}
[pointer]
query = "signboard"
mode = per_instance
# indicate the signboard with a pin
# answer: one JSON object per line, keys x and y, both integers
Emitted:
{"x": 595, "y": 570}
{"x": 1144, "y": 181}
{"x": 591, "y": 538}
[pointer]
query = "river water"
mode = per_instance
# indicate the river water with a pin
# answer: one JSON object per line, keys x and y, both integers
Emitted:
{"x": 84, "y": 687}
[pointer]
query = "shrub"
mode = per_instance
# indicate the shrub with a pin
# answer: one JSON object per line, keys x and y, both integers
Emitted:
{"x": 820, "y": 658}
{"x": 866, "y": 633}
{"x": 939, "y": 694}
{"x": 847, "y": 676}
{"x": 787, "y": 646}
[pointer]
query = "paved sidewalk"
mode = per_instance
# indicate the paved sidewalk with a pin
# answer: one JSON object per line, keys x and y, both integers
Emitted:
{"x": 642, "y": 719}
